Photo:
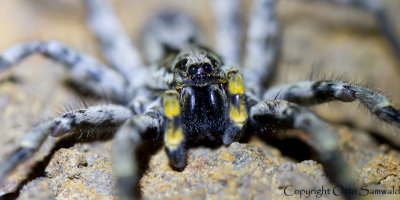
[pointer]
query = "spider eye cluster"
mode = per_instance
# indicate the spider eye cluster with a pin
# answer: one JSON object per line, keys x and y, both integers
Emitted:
{"x": 204, "y": 68}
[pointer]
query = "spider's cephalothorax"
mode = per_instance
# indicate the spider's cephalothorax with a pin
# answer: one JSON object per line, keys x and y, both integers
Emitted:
{"x": 198, "y": 67}
{"x": 205, "y": 103}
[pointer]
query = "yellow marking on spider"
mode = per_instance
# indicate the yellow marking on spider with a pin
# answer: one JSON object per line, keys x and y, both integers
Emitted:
{"x": 172, "y": 108}
{"x": 173, "y": 137}
{"x": 239, "y": 116}
{"x": 235, "y": 82}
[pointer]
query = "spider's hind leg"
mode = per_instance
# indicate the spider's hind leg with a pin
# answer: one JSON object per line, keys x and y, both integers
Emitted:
{"x": 315, "y": 92}
{"x": 167, "y": 33}
{"x": 228, "y": 34}
{"x": 116, "y": 45}
{"x": 93, "y": 122}
{"x": 286, "y": 115}
{"x": 262, "y": 48}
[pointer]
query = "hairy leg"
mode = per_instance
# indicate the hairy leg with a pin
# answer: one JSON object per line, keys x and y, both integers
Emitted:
{"x": 262, "y": 46}
{"x": 82, "y": 68}
{"x": 314, "y": 92}
{"x": 166, "y": 34}
{"x": 90, "y": 122}
{"x": 135, "y": 131}
{"x": 283, "y": 114}
{"x": 228, "y": 34}
{"x": 116, "y": 45}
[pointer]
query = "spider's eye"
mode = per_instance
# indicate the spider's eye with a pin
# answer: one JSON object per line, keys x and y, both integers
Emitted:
{"x": 192, "y": 70}
{"x": 207, "y": 68}
{"x": 181, "y": 64}
{"x": 214, "y": 62}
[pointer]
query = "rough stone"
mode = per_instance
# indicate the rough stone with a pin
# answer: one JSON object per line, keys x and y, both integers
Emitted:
{"x": 322, "y": 36}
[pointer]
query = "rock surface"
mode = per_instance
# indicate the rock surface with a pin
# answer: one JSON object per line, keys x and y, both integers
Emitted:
{"x": 333, "y": 39}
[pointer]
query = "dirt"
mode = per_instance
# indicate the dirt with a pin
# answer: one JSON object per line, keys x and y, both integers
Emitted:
{"x": 328, "y": 39}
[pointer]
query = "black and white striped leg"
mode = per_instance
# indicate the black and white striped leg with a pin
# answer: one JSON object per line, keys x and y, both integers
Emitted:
{"x": 228, "y": 34}
{"x": 116, "y": 46}
{"x": 314, "y": 92}
{"x": 166, "y": 34}
{"x": 92, "y": 122}
{"x": 83, "y": 69}
{"x": 283, "y": 114}
{"x": 262, "y": 46}
{"x": 137, "y": 130}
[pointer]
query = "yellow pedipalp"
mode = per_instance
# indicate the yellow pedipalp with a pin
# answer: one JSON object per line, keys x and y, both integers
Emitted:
{"x": 172, "y": 110}
{"x": 172, "y": 107}
{"x": 238, "y": 114}
{"x": 173, "y": 136}
{"x": 235, "y": 82}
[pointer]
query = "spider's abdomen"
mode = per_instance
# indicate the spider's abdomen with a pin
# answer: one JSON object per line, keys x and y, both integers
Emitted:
{"x": 205, "y": 112}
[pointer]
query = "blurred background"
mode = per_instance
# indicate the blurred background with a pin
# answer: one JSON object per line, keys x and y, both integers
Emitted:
{"x": 333, "y": 40}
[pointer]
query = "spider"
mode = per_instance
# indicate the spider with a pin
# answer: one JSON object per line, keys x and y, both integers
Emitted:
{"x": 204, "y": 97}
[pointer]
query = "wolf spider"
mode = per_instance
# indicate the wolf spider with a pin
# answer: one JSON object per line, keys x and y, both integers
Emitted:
{"x": 194, "y": 95}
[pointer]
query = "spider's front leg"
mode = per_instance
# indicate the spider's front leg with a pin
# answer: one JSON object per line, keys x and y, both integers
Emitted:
{"x": 314, "y": 92}
{"x": 135, "y": 132}
{"x": 91, "y": 122}
{"x": 83, "y": 69}
{"x": 148, "y": 127}
{"x": 283, "y": 114}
